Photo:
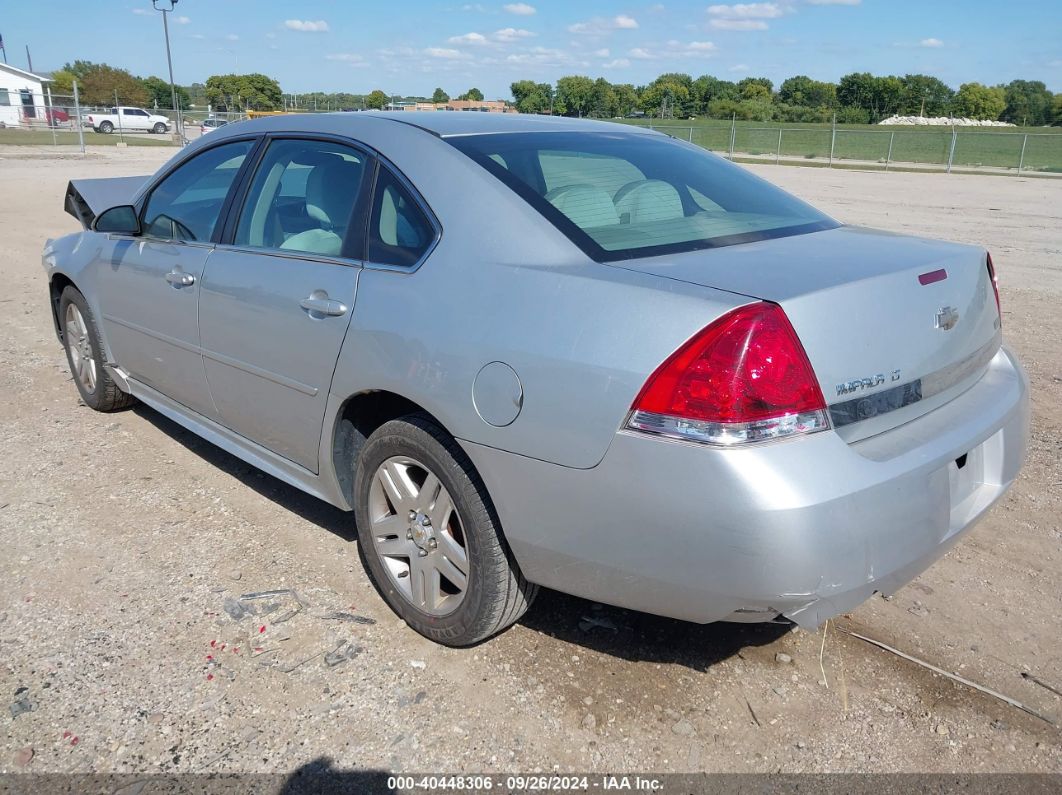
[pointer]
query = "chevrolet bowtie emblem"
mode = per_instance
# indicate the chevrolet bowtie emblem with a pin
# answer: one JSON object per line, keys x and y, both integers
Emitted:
{"x": 947, "y": 317}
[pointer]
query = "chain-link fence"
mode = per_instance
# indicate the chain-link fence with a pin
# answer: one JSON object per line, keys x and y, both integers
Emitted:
{"x": 36, "y": 118}
{"x": 1010, "y": 150}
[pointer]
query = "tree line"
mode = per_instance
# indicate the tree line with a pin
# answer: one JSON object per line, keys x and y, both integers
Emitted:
{"x": 858, "y": 98}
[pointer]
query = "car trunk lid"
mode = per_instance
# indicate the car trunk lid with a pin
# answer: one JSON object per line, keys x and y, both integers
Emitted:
{"x": 894, "y": 326}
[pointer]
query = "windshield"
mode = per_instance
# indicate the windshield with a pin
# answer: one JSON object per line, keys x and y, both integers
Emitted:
{"x": 622, "y": 195}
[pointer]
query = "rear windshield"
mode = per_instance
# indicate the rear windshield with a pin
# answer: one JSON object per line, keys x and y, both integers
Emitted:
{"x": 623, "y": 195}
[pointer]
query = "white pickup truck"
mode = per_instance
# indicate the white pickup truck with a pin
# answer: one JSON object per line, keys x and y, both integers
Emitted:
{"x": 128, "y": 120}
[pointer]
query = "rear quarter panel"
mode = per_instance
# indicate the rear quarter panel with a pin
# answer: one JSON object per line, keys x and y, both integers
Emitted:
{"x": 504, "y": 285}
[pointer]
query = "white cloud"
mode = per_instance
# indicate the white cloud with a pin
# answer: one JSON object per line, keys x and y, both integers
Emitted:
{"x": 747, "y": 11}
{"x": 619, "y": 63}
{"x": 182, "y": 20}
{"x": 701, "y": 46}
{"x": 306, "y": 25}
{"x": 602, "y": 53}
{"x": 468, "y": 38}
{"x": 931, "y": 43}
{"x": 834, "y": 2}
{"x": 739, "y": 67}
{"x": 520, "y": 9}
{"x": 600, "y": 25}
{"x": 352, "y": 58}
{"x": 232, "y": 37}
{"x": 198, "y": 36}
{"x": 511, "y": 34}
{"x": 473, "y": 7}
{"x": 738, "y": 24}
{"x": 542, "y": 56}
{"x": 141, "y": 12}
{"x": 447, "y": 54}
{"x": 641, "y": 54}
{"x": 745, "y": 16}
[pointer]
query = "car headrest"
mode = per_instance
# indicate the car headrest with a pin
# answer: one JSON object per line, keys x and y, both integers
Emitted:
{"x": 648, "y": 200}
{"x": 331, "y": 189}
{"x": 586, "y": 206}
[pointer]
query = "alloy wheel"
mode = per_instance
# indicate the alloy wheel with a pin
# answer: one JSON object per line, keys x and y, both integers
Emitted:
{"x": 419, "y": 535}
{"x": 82, "y": 361}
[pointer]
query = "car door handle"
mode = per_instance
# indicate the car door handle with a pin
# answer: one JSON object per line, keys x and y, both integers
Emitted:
{"x": 179, "y": 278}
{"x": 319, "y": 304}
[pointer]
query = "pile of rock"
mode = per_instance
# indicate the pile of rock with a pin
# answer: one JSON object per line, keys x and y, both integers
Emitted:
{"x": 944, "y": 121}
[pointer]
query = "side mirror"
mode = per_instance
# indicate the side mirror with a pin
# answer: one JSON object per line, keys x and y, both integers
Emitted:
{"x": 121, "y": 220}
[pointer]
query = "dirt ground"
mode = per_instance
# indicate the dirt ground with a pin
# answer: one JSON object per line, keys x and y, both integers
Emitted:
{"x": 127, "y": 541}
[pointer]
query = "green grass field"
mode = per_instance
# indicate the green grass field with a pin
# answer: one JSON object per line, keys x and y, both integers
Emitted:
{"x": 18, "y": 137}
{"x": 999, "y": 147}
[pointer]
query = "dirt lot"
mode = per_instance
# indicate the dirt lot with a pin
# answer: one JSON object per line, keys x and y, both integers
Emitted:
{"x": 123, "y": 536}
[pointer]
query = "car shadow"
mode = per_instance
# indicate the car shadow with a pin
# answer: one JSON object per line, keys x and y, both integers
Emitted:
{"x": 310, "y": 508}
{"x": 626, "y": 634}
{"x": 642, "y": 637}
{"x": 319, "y": 777}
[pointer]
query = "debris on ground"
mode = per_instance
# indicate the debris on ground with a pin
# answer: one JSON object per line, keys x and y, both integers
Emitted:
{"x": 350, "y": 618}
{"x": 248, "y": 597}
{"x": 420, "y": 665}
{"x": 235, "y": 610}
{"x": 683, "y": 728}
{"x": 783, "y": 658}
{"x": 593, "y": 622}
{"x": 23, "y": 756}
{"x": 22, "y": 703}
{"x": 954, "y": 677}
{"x": 343, "y": 652}
{"x": 1043, "y": 684}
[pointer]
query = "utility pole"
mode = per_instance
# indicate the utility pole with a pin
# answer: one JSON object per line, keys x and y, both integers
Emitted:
{"x": 118, "y": 113}
{"x": 169, "y": 62}
{"x": 29, "y": 59}
{"x": 77, "y": 115}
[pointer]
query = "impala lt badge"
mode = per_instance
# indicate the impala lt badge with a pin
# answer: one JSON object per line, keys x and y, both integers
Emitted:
{"x": 947, "y": 317}
{"x": 861, "y": 384}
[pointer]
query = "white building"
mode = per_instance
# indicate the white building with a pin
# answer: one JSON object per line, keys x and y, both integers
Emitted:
{"x": 21, "y": 97}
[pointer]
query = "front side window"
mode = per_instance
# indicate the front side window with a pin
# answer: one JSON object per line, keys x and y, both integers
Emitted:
{"x": 626, "y": 195}
{"x": 302, "y": 198}
{"x": 5, "y": 96}
{"x": 399, "y": 231}
{"x": 186, "y": 205}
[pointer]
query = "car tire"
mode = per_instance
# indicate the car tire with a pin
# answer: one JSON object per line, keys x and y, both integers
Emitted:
{"x": 159, "y": 128}
{"x": 84, "y": 354}
{"x": 494, "y": 593}
{"x": 106, "y": 128}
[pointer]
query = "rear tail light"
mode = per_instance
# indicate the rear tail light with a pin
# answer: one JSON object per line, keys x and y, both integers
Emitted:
{"x": 744, "y": 378}
{"x": 995, "y": 287}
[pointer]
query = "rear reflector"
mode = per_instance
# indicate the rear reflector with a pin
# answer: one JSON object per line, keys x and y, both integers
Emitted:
{"x": 744, "y": 378}
{"x": 933, "y": 276}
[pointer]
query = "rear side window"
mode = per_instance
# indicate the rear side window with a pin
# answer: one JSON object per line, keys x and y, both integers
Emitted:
{"x": 302, "y": 198}
{"x": 399, "y": 231}
{"x": 625, "y": 195}
{"x": 187, "y": 203}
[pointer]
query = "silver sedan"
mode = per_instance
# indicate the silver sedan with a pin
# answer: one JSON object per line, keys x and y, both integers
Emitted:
{"x": 528, "y": 351}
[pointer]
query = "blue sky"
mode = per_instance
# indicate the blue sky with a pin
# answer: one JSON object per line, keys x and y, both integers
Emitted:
{"x": 412, "y": 47}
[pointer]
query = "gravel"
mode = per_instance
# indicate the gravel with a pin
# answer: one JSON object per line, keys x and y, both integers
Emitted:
{"x": 128, "y": 543}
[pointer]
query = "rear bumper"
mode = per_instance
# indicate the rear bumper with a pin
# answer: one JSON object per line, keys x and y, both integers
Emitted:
{"x": 806, "y": 528}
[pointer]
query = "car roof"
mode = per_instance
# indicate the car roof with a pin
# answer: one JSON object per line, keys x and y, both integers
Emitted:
{"x": 449, "y": 123}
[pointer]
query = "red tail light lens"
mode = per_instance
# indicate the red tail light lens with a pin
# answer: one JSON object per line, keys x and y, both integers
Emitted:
{"x": 744, "y": 378}
{"x": 995, "y": 288}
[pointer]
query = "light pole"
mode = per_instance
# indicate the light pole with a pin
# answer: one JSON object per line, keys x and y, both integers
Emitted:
{"x": 169, "y": 61}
